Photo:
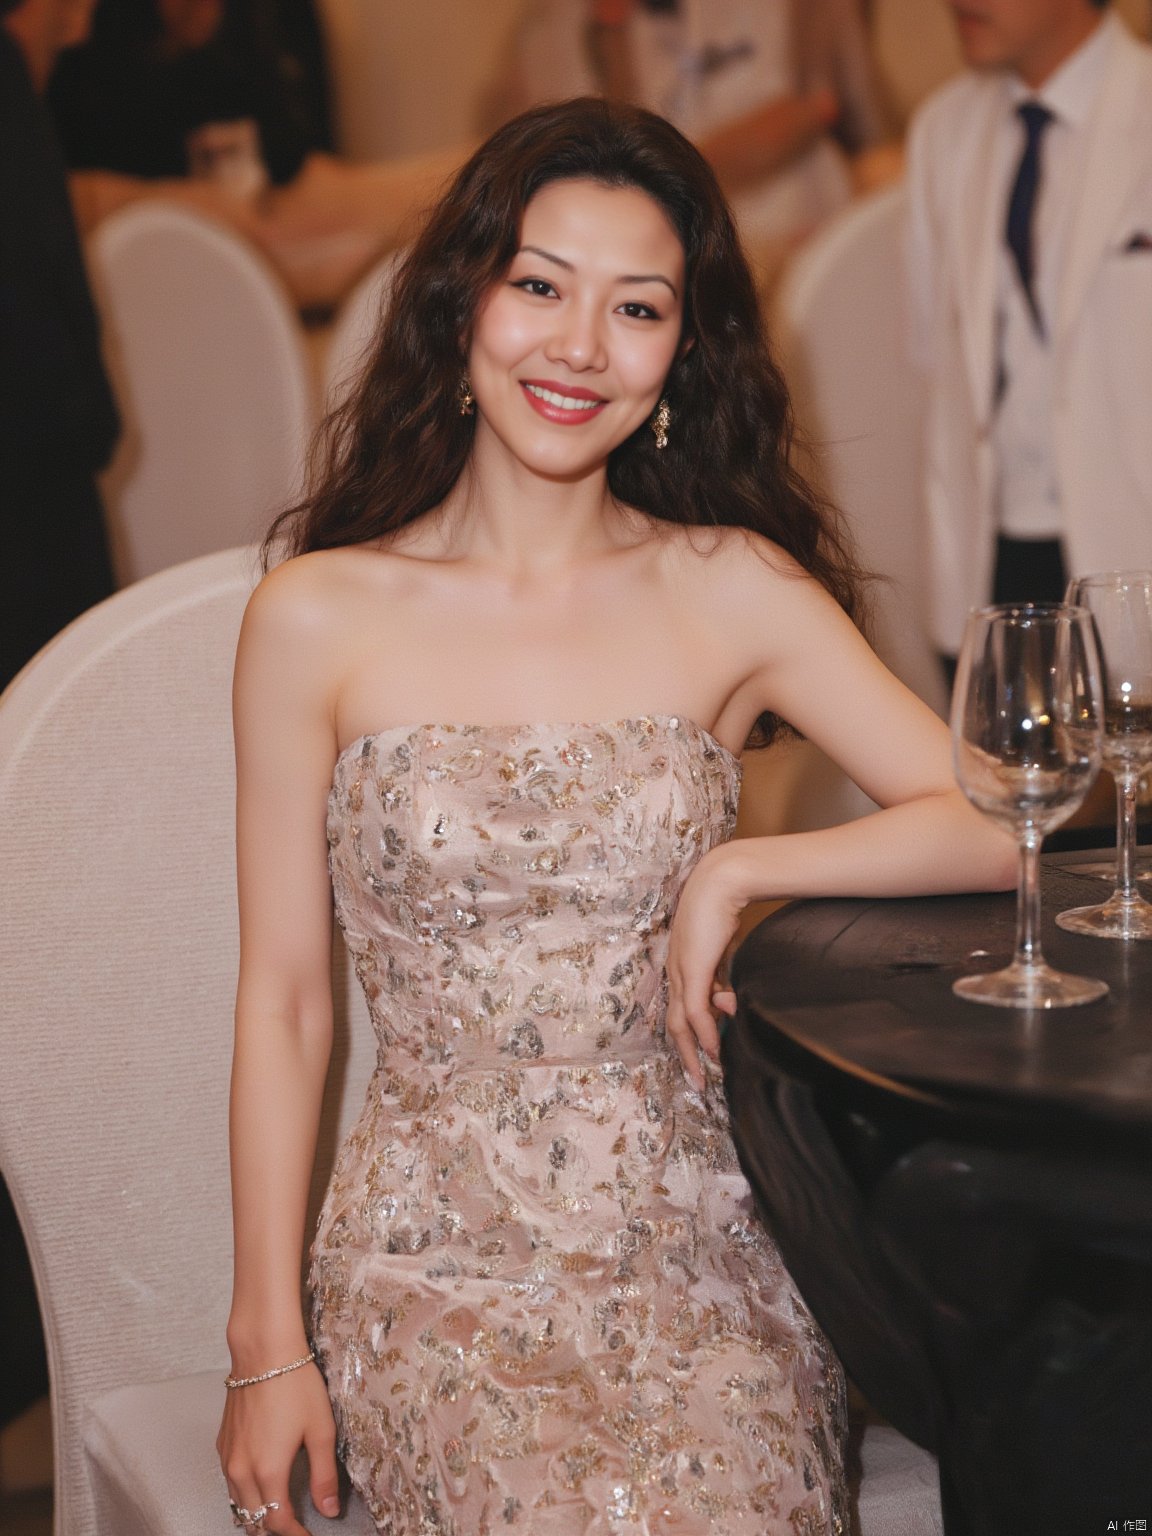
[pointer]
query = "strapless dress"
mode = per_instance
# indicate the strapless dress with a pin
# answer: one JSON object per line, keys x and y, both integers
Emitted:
{"x": 542, "y": 1299}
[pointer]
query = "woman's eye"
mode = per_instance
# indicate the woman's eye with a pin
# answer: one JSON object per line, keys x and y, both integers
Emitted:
{"x": 537, "y": 286}
{"x": 637, "y": 311}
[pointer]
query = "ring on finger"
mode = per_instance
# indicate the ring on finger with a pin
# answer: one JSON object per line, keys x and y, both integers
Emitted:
{"x": 251, "y": 1520}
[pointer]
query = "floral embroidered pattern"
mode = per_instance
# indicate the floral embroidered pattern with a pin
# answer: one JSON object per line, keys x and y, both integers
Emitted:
{"x": 541, "y": 1296}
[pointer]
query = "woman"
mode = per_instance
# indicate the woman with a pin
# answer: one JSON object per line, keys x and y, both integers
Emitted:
{"x": 560, "y": 493}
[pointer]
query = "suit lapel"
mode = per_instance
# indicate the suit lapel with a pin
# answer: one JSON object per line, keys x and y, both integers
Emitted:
{"x": 1117, "y": 157}
{"x": 978, "y": 248}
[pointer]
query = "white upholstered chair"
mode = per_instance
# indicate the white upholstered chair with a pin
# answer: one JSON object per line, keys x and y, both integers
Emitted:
{"x": 355, "y": 327}
{"x": 838, "y": 326}
{"x": 118, "y": 955}
{"x": 214, "y": 382}
{"x": 899, "y": 1489}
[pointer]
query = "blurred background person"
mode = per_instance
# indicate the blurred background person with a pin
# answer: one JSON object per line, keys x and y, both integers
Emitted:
{"x": 1029, "y": 270}
{"x": 155, "y": 76}
{"x": 58, "y": 420}
{"x": 834, "y": 48}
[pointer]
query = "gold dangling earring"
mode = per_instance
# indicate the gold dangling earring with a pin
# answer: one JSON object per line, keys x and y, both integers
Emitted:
{"x": 661, "y": 422}
{"x": 465, "y": 396}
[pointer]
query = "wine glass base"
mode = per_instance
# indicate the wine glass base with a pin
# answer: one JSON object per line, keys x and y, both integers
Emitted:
{"x": 1116, "y": 918}
{"x": 1105, "y": 869}
{"x": 1030, "y": 986}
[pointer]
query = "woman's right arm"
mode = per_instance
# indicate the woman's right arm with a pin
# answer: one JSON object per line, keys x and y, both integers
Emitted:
{"x": 285, "y": 749}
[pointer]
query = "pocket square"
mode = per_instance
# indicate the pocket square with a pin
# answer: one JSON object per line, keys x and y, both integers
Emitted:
{"x": 1140, "y": 241}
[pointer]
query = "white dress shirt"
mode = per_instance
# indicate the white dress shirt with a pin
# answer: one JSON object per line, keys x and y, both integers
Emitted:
{"x": 1027, "y": 500}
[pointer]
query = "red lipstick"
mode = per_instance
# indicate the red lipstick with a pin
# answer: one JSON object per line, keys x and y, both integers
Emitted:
{"x": 556, "y": 402}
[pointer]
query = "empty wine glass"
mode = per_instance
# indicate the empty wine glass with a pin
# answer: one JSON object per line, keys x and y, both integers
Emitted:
{"x": 1120, "y": 603}
{"x": 1027, "y": 719}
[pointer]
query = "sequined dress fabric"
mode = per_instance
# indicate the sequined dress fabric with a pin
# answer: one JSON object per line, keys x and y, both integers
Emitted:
{"x": 541, "y": 1297}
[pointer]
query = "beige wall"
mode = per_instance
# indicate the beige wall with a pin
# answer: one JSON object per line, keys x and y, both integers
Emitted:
{"x": 410, "y": 74}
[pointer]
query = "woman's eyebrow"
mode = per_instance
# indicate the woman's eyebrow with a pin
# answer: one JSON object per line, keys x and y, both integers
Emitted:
{"x": 642, "y": 277}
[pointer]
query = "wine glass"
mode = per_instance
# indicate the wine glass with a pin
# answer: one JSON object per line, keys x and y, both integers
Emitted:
{"x": 1027, "y": 720}
{"x": 1120, "y": 603}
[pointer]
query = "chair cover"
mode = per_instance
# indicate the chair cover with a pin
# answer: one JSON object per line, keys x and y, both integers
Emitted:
{"x": 355, "y": 327}
{"x": 118, "y": 950}
{"x": 839, "y": 324}
{"x": 214, "y": 383}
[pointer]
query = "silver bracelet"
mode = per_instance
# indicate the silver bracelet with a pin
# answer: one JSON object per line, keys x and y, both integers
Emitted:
{"x": 232, "y": 1382}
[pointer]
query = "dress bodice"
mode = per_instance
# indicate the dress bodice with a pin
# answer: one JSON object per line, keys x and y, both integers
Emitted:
{"x": 506, "y": 891}
{"x": 541, "y": 1298}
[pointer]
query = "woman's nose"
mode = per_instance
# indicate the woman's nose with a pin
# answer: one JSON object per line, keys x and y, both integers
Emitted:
{"x": 578, "y": 338}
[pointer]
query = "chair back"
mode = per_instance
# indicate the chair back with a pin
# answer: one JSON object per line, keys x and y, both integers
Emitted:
{"x": 118, "y": 951}
{"x": 840, "y": 328}
{"x": 355, "y": 328}
{"x": 214, "y": 382}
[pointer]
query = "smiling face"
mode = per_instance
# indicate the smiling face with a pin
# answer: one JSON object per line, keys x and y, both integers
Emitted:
{"x": 571, "y": 349}
{"x": 1030, "y": 37}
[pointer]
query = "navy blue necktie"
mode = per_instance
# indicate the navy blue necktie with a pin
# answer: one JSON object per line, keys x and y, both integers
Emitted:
{"x": 1022, "y": 202}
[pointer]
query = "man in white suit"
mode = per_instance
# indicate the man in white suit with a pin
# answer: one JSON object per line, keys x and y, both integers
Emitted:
{"x": 1029, "y": 265}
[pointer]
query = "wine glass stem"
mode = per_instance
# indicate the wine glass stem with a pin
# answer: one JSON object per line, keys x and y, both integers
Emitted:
{"x": 1127, "y": 784}
{"x": 1028, "y": 902}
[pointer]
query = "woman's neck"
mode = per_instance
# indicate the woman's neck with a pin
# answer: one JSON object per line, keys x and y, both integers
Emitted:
{"x": 505, "y": 515}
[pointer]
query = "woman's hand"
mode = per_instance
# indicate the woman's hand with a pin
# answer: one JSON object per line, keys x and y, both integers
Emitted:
{"x": 264, "y": 1426}
{"x": 702, "y": 929}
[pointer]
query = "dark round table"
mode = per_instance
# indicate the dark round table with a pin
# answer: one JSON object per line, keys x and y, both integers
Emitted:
{"x": 964, "y": 1193}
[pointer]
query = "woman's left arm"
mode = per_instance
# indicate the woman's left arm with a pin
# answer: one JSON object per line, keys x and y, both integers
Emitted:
{"x": 926, "y": 839}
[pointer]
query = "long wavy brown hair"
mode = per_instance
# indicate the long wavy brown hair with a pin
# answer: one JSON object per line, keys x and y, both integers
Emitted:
{"x": 396, "y": 445}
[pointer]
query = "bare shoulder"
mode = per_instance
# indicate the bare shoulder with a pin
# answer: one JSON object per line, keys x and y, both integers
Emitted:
{"x": 736, "y": 566}
{"x": 317, "y": 595}
{"x": 771, "y": 616}
{"x": 296, "y": 634}
{"x": 296, "y": 592}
